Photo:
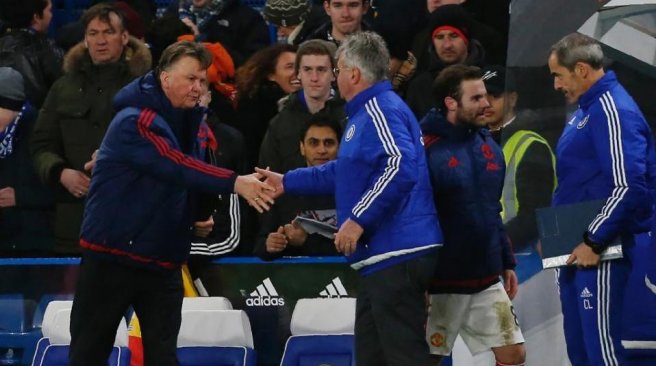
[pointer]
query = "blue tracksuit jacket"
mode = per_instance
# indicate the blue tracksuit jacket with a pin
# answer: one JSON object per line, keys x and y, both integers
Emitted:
{"x": 380, "y": 180}
{"x": 606, "y": 152}
{"x": 138, "y": 210}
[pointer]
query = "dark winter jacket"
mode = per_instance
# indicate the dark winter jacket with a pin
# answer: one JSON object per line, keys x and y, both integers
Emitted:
{"x": 280, "y": 149}
{"x": 139, "y": 210}
{"x": 238, "y": 27}
{"x": 37, "y": 59}
{"x": 227, "y": 210}
{"x": 26, "y": 227}
{"x": 72, "y": 124}
{"x": 253, "y": 116}
{"x": 466, "y": 170}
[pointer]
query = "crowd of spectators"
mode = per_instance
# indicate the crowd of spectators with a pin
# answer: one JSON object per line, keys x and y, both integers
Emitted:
{"x": 271, "y": 102}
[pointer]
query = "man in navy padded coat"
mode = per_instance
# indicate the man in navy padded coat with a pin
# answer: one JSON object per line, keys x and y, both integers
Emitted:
{"x": 388, "y": 227}
{"x": 467, "y": 171}
{"x": 138, "y": 219}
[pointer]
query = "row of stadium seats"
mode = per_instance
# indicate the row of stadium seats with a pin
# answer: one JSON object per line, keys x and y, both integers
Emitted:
{"x": 211, "y": 333}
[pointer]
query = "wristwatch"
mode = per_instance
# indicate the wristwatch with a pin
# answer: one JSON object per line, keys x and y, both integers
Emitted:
{"x": 596, "y": 247}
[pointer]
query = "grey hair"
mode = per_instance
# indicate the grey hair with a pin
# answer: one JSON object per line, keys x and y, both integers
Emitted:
{"x": 576, "y": 47}
{"x": 366, "y": 51}
{"x": 174, "y": 52}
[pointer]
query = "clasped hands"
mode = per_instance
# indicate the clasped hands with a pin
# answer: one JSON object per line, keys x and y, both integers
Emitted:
{"x": 346, "y": 238}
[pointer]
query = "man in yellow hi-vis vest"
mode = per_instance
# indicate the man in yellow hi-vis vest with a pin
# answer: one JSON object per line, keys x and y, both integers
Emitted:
{"x": 530, "y": 162}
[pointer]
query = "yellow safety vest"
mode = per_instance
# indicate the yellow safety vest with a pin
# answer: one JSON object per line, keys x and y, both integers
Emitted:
{"x": 513, "y": 152}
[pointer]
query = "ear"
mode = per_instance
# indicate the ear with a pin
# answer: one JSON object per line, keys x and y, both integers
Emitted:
{"x": 511, "y": 99}
{"x": 86, "y": 44}
{"x": 581, "y": 69}
{"x": 301, "y": 146}
{"x": 125, "y": 37}
{"x": 451, "y": 104}
{"x": 164, "y": 79}
{"x": 356, "y": 75}
{"x": 326, "y": 7}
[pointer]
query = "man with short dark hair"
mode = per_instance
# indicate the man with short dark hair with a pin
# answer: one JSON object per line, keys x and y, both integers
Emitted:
{"x": 530, "y": 163}
{"x": 279, "y": 234}
{"x": 606, "y": 152}
{"x": 450, "y": 43}
{"x": 345, "y": 19}
{"x": 138, "y": 219}
{"x": 467, "y": 169}
{"x": 25, "y": 47}
{"x": 314, "y": 67}
{"x": 77, "y": 112}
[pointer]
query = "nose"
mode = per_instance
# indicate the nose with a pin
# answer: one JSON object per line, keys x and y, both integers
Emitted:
{"x": 321, "y": 149}
{"x": 485, "y": 103}
{"x": 557, "y": 84}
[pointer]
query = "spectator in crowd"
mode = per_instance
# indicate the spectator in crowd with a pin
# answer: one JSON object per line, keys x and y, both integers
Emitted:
{"x": 267, "y": 77}
{"x": 450, "y": 44}
{"x": 136, "y": 231}
{"x": 606, "y": 152}
{"x": 25, "y": 47}
{"x": 530, "y": 163}
{"x": 314, "y": 67}
{"x": 388, "y": 227}
{"x": 397, "y": 21}
{"x": 280, "y": 235}
{"x": 77, "y": 112}
{"x": 345, "y": 18}
{"x": 288, "y": 16}
{"x": 72, "y": 33}
{"x": 25, "y": 203}
{"x": 218, "y": 229}
{"x": 466, "y": 168}
{"x": 489, "y": 24}
{"x": 238, "y": 27}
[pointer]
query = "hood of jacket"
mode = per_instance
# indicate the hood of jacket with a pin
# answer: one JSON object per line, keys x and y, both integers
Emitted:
{"x": 136, "y": 55}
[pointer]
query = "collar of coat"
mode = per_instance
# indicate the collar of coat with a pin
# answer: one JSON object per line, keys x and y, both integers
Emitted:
{"x": 136, "y": 55}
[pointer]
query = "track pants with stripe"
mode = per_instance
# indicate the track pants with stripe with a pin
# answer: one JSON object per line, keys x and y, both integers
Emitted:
{"x": 604, "y": 306}
{"x": 592, "y": 301}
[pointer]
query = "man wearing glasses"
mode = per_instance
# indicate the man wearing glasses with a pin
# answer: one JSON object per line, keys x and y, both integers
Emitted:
{"x": 388, "y": 227}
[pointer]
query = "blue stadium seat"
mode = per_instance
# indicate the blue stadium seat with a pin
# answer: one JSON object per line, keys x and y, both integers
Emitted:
{"x": 318, "y": 338}
{"x": 17, "y": 342}
{"x": 53, "y": 348}
{"x": 12, "y": 313}
{"x": 215, "y": 338}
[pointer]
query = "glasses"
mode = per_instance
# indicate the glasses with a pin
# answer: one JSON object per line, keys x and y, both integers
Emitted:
{"x": 337, "y": 70}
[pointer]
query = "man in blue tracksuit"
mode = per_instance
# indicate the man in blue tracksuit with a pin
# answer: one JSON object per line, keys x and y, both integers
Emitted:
{"x": 606, "y": 152}
{"x": 138, "y": 219}
{"x": 387, "y": 223}
{"x": 467, "y": 171}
